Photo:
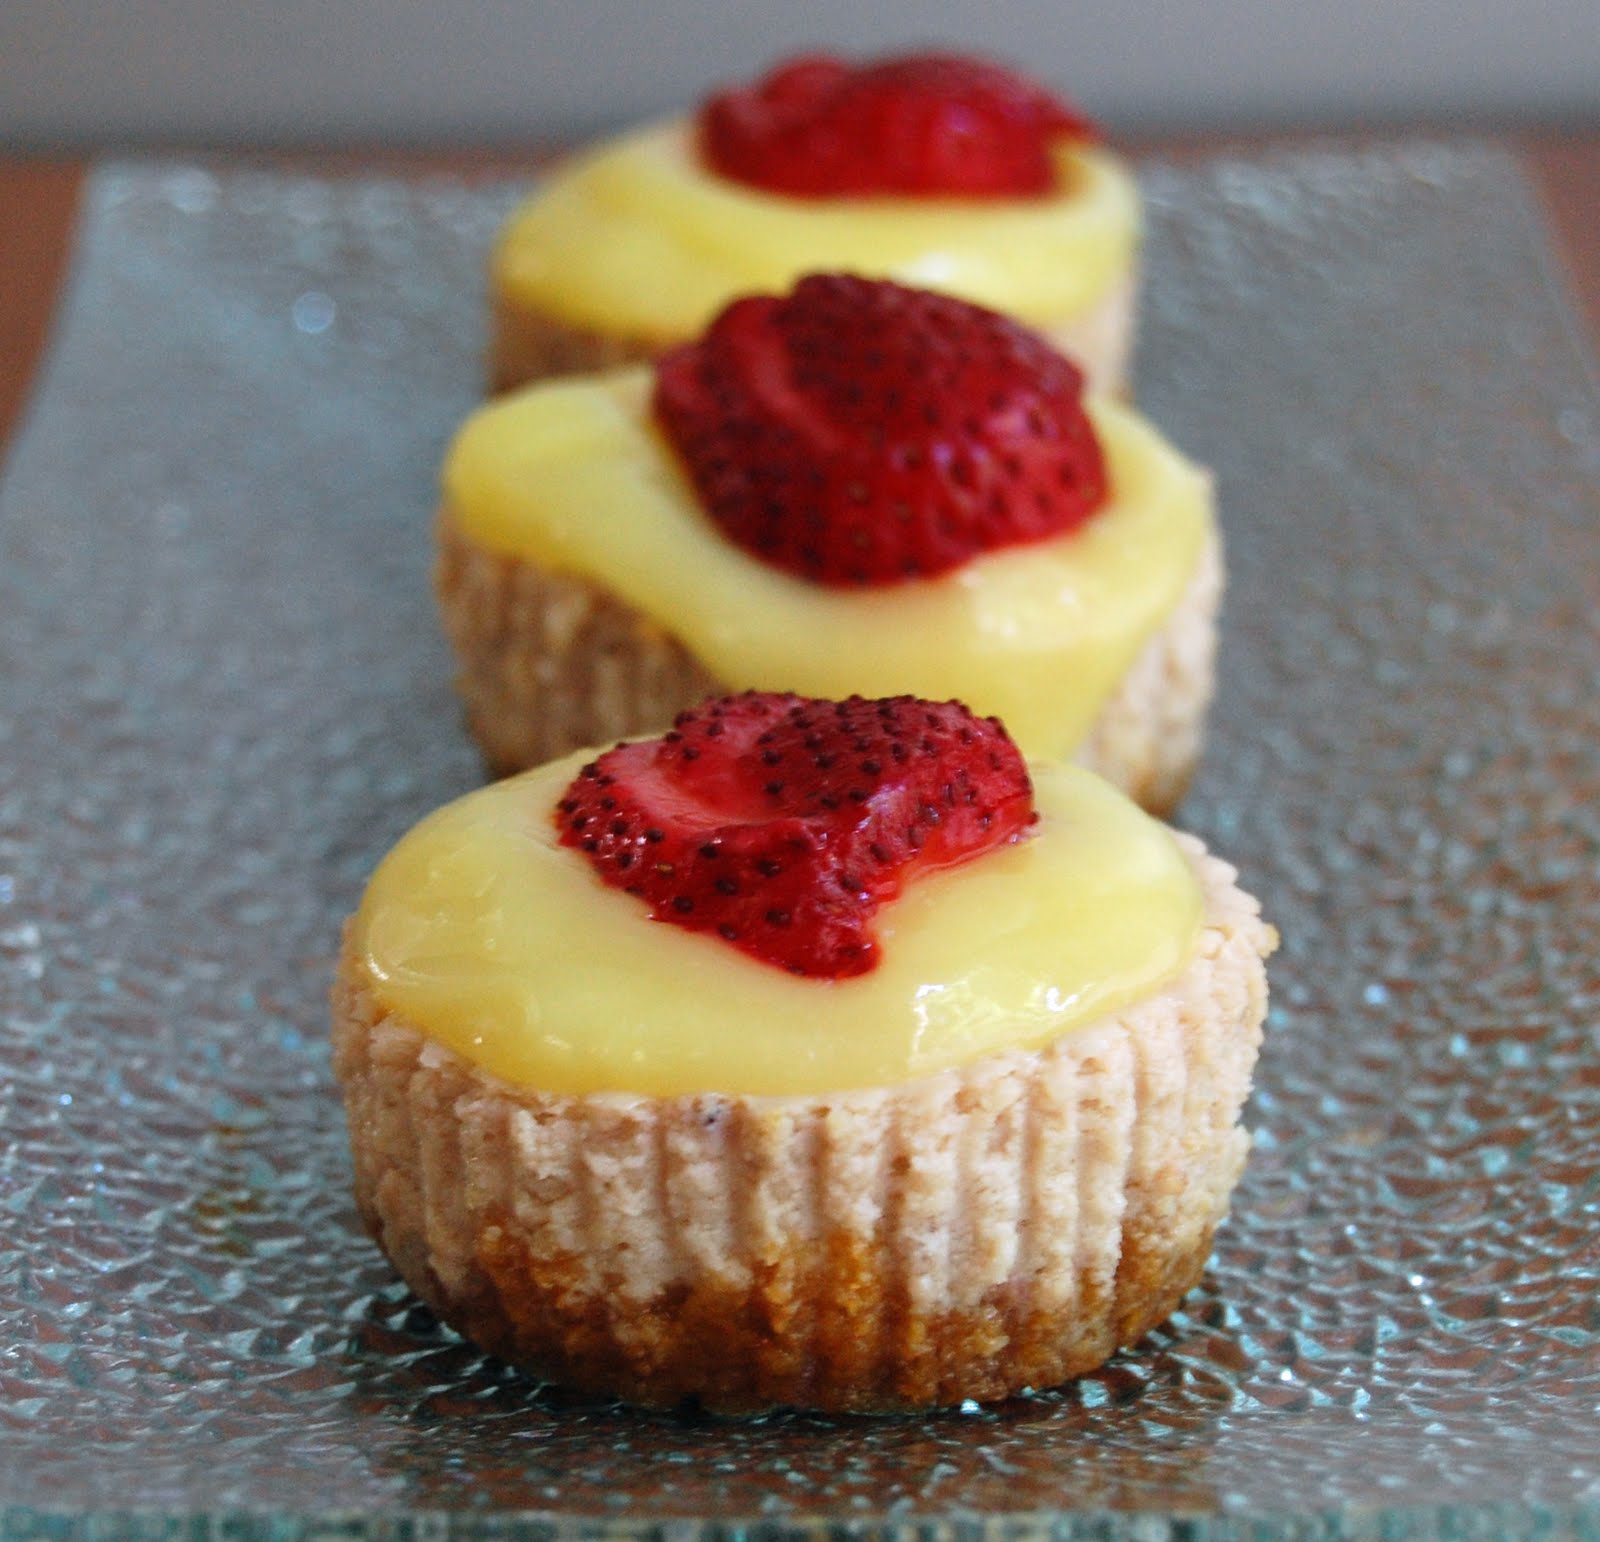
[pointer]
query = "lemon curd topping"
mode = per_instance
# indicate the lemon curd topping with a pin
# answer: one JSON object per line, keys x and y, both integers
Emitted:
{"x": 485, "y": 933}
{"x": 638, "y": 238}
{"x": 575, "y": 476}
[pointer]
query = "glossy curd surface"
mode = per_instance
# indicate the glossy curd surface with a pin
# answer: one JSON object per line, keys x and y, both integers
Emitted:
{"x": 485, "y": 933}
{"x": 637, "y": 238}
{"x": 576, "y": 477}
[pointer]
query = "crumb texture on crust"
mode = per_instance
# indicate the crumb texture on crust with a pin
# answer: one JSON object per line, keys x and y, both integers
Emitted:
{"x": 1007, "y": 1224}
{"x": 548, "y": 663}
{"x": 1148, "y": 736}
{"x": 527, "y": 344}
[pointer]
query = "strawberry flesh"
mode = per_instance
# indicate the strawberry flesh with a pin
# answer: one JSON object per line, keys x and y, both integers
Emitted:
{"x": 860, "y": 432}
{"x": 781, "y": 823}
{"x": 920, "y": 125}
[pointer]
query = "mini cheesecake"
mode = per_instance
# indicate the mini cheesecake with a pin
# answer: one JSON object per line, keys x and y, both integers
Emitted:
{"x": 927, "y": 506}
{"x": 720, "y": 1134}
{"x": 944, "y": 172}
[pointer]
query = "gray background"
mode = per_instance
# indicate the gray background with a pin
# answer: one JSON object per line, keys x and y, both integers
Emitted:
{"x": 406, "y": 71}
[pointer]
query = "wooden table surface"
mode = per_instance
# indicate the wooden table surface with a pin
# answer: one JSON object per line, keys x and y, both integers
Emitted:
{"x": 39, "y": 201}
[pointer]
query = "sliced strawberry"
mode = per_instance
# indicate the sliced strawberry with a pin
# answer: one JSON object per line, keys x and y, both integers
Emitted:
{"x": 782, "y": 823}
{"x": 859, "y": 432}
{"x": 923, "y": 124}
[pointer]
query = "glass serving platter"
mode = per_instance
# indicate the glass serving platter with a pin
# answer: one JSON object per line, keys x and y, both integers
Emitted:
{"x": 223, "y": 694}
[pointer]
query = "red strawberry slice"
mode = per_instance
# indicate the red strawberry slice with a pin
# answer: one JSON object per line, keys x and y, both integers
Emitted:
{"x": 923, "y": 124}
{"x": 859, "y": 432}
{"x": 782, "y": 823}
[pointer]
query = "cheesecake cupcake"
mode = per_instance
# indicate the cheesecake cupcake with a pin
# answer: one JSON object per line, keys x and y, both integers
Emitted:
{"x": 931, "y": 169}
{"x": 815, "y": 1053}
{"x": 854, "y": 487}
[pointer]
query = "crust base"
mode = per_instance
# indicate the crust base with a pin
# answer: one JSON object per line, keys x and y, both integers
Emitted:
{"x": 527, "y": 344}
{"x": 1008, "y": 1224}
{"x": 548, "y": 664}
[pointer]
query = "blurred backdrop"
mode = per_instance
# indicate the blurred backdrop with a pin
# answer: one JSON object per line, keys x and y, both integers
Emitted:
{"x": 330, "y": 72}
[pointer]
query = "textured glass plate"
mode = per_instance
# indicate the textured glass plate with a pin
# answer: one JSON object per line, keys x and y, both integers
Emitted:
{"x": 224, "y": 695}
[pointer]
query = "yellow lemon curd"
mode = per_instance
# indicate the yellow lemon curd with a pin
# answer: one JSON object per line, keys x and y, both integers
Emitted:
{"x": 575, "y": 477}
{"x": 638, "y": 238}
{"x": 484, "y": 932}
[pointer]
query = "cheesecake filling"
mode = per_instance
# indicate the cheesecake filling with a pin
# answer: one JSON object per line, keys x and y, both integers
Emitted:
{"x": 576, "y": 477}
{"x": 637, "y": 238}
{"x": 481, "y": 930}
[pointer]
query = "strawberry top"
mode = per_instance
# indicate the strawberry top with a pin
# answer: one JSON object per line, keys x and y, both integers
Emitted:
{"x": 782, "y": 823}
{"x": 860, "y": 432}
{"x": 925, "y": 125}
